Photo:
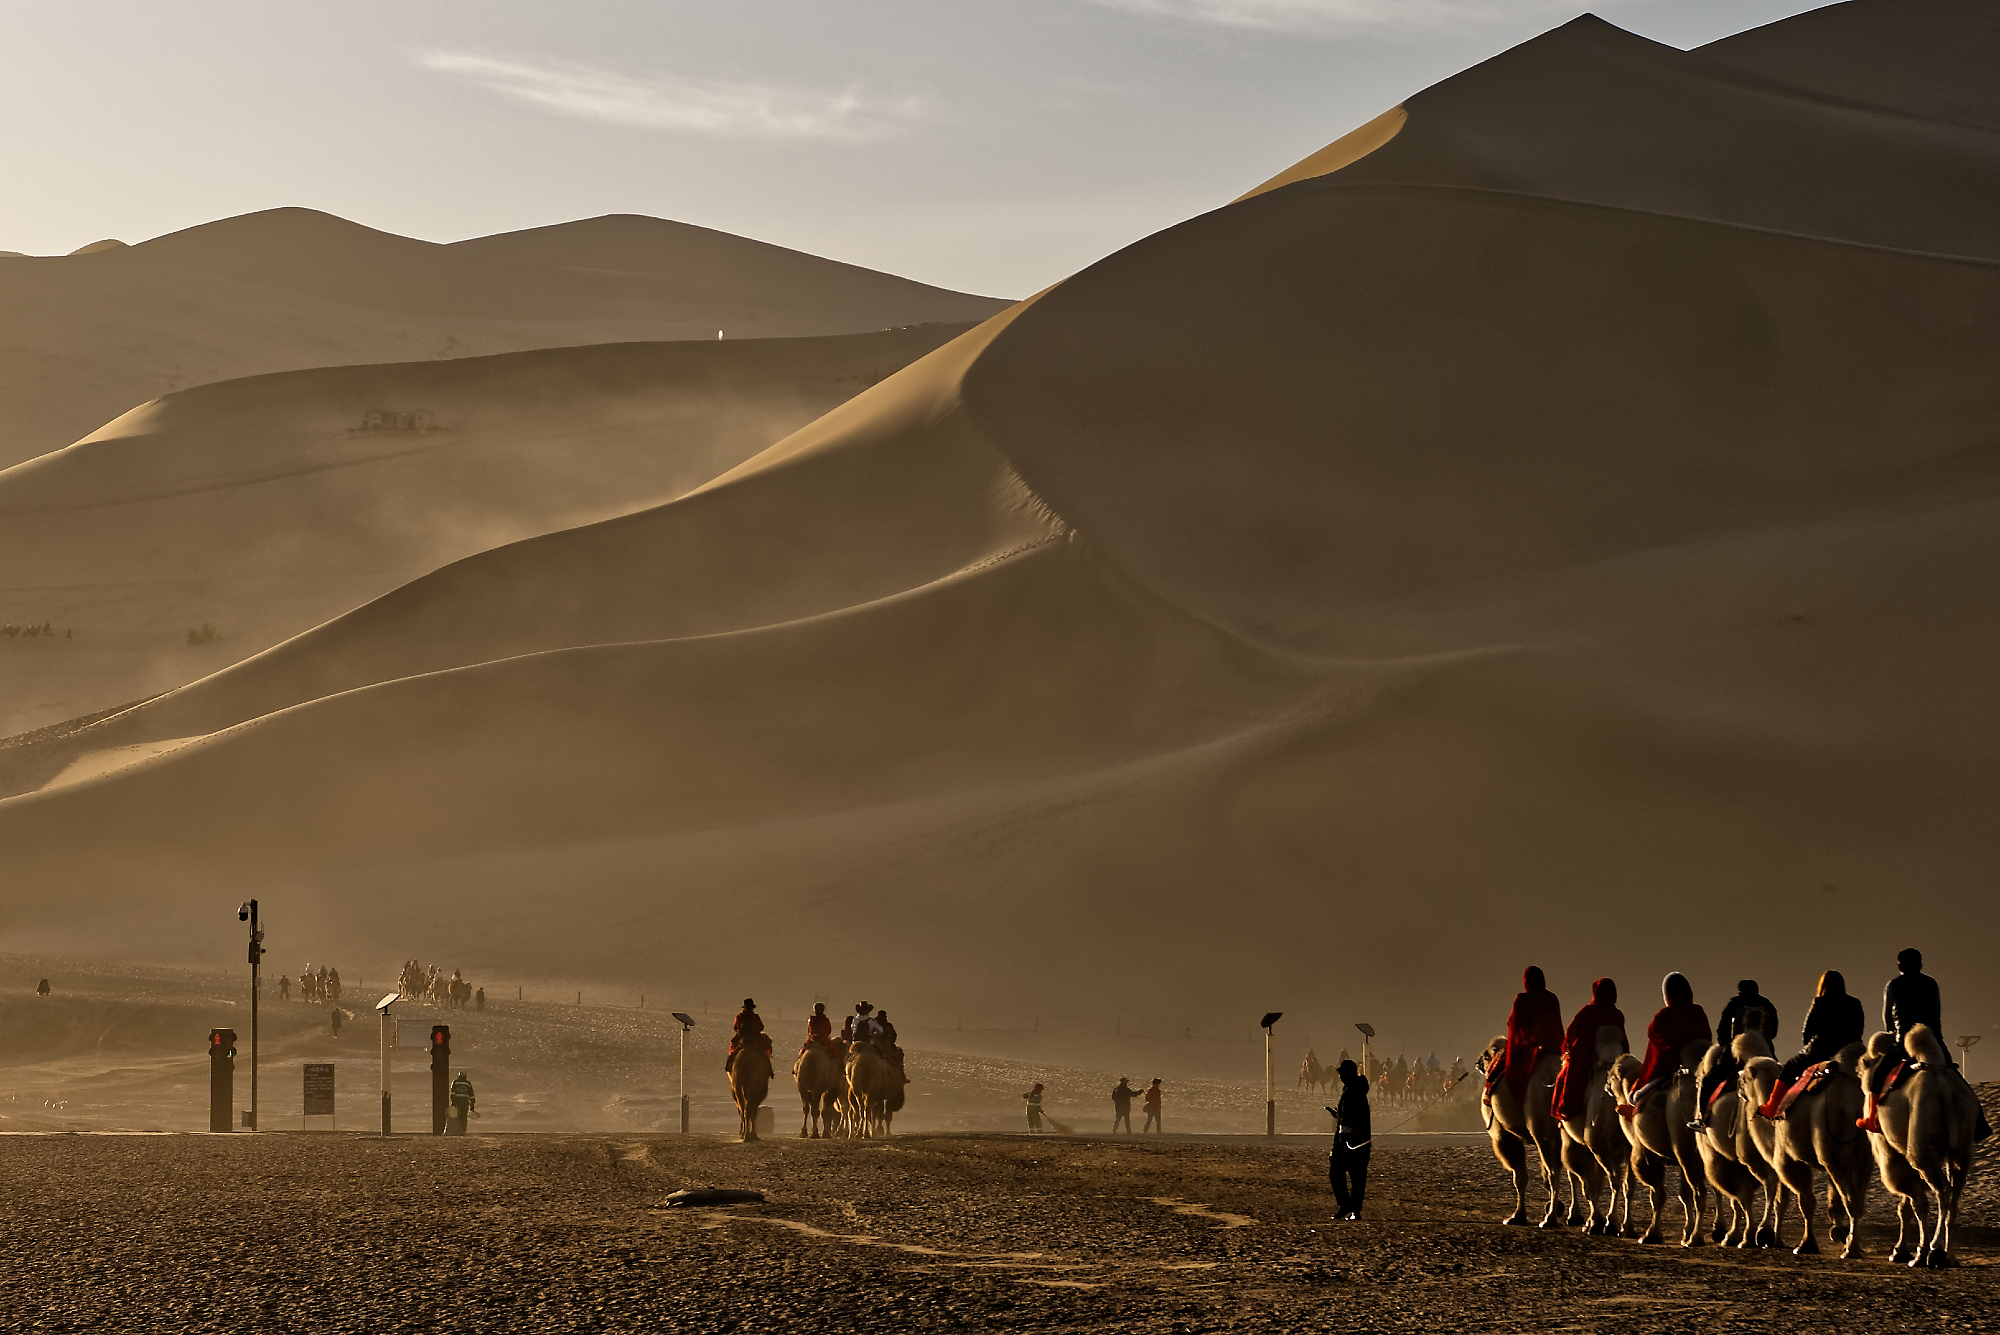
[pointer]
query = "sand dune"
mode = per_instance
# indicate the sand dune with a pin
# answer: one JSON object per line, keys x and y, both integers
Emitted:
{"x": 89, "y": 335}
{"x": 262, "y": 507}
{"x": 1561, "y": 533}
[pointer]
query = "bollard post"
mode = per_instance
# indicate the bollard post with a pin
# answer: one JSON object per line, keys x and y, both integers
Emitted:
{"x": 440, "y": 1076}
{"x": 221, "y": 1079}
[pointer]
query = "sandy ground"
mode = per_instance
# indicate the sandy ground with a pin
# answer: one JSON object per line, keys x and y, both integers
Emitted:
{"x": 337, "y": 1233}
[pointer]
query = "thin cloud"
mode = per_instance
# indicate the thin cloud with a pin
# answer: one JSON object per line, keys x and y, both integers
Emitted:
{"x": 1382, "y": 16}
{"x": 726, "y": 107}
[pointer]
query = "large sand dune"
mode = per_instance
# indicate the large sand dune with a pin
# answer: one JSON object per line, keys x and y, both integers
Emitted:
{"x": 262, "y": 507}
{"x": 84, "y": 337}
{"x": 1563, "y": 533}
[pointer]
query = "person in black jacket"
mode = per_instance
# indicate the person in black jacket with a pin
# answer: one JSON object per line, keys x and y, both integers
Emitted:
{"x": 1749, "y": 1009}
{"x": 1834, "y": 1021}
{"x": 1911, "y": 998}
{"x": 1347, "y": 1162}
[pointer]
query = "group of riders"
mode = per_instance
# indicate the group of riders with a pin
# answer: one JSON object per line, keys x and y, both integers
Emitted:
{"x": 319, "y": 985}
{"x": 429, "y": 984}
{"x": 1425, "y": 1080}
{"x": 1834, "y": 1022}
{"x": 866, "y": 1036}
{"x": 1715, "y": 1101}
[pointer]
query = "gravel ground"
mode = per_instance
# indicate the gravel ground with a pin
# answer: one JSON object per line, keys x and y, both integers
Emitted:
{"x": 532, "y": 1233}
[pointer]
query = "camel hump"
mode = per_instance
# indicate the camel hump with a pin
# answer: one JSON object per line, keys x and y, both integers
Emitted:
{"x": 1627, "y": 1067}
{"x": 1748, "y": 1044}
{"x": 1610, "y": 1042}
{"x": 1926, "y": 1046}
{"x": 1849, "y": 1057}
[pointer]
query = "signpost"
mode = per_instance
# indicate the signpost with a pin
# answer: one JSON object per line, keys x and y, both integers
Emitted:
{"x": 1269, "y": 1023}
{"x": 687, "y": 1023}
{"x": 319, "y": 1091}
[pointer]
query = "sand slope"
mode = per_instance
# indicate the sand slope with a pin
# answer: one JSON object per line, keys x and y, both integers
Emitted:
{"x": 1560, "y": 534}
{"x": 85, "y": 337}
{"x": 262, "y": 507}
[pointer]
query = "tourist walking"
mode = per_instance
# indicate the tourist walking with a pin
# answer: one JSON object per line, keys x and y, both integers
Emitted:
{"x": 1153, "y": 1109}
{"x": 1347, "y": 1161}
{"x": 462, "y": 1104}
{"x": 1121, "y": 1105}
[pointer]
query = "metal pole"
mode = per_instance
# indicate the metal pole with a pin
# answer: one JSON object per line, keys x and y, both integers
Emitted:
{"x": 256, "y": 986}
{"x": 684, "y": 1080}
{"x": 388, "y": 1035}
{"x": 1270, "y": 1089}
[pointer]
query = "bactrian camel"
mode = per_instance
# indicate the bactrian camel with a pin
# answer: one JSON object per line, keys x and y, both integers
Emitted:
{"x": 1730, "y": 1153}
{"x": 1661, "y": 1137}
{"x": 1925, "y": 1146}
{"x": 1817, "y": 1132}
{"x": 1511, "y": 1126}
{"x": 1594, "y": 1149}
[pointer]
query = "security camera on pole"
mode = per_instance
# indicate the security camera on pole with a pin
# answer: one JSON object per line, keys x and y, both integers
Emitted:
{"x": 247, "y": 912}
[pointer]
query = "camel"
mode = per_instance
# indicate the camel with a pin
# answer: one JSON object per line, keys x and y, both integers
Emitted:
{"x": 1926, "y": 1143}
{"x": 1735, "y": 1163}
{"x": 1817, "y": 1131}
{"x": 869, "y": 1077}
{"x": 1511, "y": 1123}
{"x": 819, "y": 1079}
{"x": 1595, "y": 1152}
{"x": 1314, "y": 1076}
{"x": 749, "y": 1082}
{"x": 1660, "y": 1136}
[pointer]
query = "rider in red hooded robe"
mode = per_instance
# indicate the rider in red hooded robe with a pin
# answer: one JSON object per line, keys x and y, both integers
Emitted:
{"x": 1534, "y": 1026}
{"x": 1572, "y": 1095}
{"x": 1675, "y": 1025}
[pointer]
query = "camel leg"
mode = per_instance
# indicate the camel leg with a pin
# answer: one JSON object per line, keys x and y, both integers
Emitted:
{"x": 1621, "y": 1200}
{"x": 1587, "y": 1179}
{"x": 1853, "y": 1199}
{"x": 1909, "y": 1215}
{"x": 1652, "y": 1170}
{"x": 1551, "y": 1181}
{"x": 1690, "y": 1196}
{"x": 1512, "y": 1151}
{"x": 1798, "y": 1180}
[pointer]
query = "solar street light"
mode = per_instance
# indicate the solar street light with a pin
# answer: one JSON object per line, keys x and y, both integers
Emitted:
{"x": 1270, "y": 1088}
{"x": 687, "y": 1023}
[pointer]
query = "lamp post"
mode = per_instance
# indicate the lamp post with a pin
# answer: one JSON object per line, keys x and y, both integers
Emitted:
{"x": 388, "y": 1041}
{"x": 247, "y": 912}
{"x": 1965, "y": 1042}
{"x": 1367, "y": 1032}
{"x": 1270, "y": 1085}
{"x": 687, "y": 1023}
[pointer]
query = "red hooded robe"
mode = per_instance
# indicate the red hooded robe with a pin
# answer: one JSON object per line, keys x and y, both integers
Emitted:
{"x": 1675, "y": 1025}
{"x": 1572, "y": 1096}
{"x": 1534, "y": 1026}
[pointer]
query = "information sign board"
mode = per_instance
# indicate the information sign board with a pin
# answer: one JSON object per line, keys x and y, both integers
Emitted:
{"x": 319, "y": 1089}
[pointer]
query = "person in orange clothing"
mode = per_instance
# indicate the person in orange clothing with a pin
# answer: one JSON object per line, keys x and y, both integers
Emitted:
{"x": 1534, "y": 1026}
{"x": 819, "y": 1029}
{"x": 748, "y": 1031}
{"x": 1572, "y": 1093}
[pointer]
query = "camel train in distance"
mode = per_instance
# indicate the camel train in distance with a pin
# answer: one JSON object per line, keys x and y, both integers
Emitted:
{"x": 1925, "y": 1147}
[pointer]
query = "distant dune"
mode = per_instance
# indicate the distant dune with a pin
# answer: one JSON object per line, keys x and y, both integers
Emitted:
{"x": 1563, "y": 533}
{"x": 259, "y": 508}
{"x": 90, "y": 335}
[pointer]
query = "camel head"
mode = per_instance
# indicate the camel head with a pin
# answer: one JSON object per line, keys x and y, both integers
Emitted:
{"x": 1625, "y": 1076}
{"x": 1924, "y": 1044}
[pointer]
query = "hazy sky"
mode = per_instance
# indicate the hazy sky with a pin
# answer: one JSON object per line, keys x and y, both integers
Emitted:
{"x": 992, "y": 147}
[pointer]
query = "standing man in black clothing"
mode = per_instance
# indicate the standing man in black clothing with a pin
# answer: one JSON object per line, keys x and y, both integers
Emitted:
{"x": 1911, "y": 998}
{"x": 1347, "y": 1162}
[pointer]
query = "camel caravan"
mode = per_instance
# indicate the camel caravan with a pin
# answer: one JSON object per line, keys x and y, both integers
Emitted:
{"x": 1416, "y": 1084}
{"x": 1716, "y": 1109}
{"x": 849, "y": 1086}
